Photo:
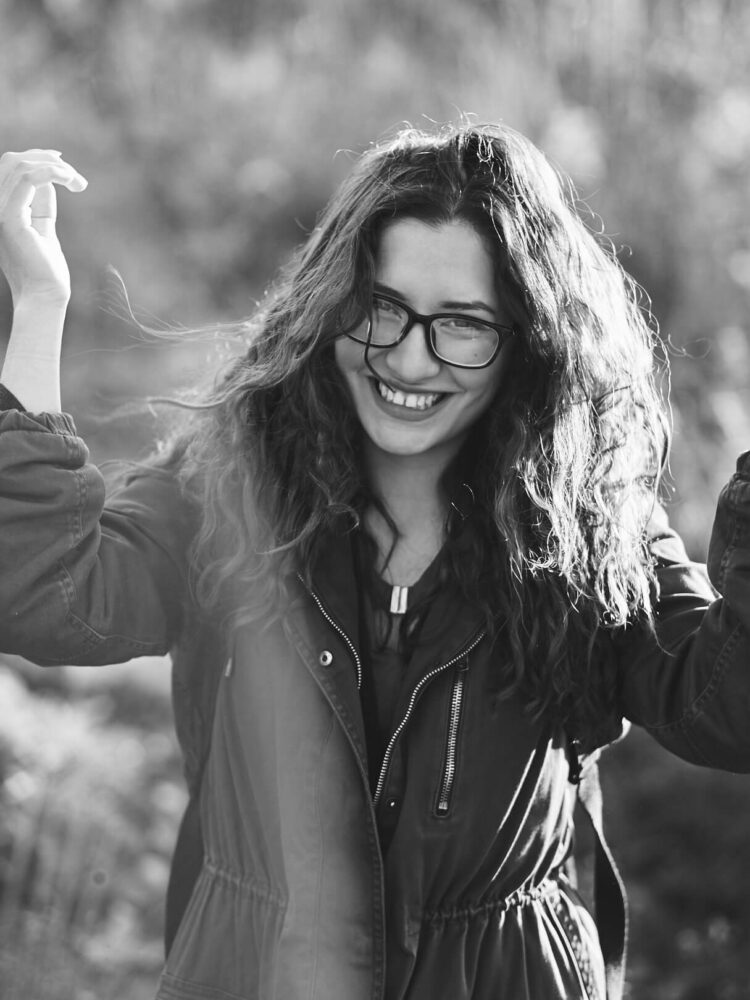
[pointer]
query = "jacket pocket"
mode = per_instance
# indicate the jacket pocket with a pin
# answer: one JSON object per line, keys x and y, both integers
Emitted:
{"x": 450, "y": 752}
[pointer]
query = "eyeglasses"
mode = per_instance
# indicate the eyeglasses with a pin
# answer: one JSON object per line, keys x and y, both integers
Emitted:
{"x": 454, "y": 338}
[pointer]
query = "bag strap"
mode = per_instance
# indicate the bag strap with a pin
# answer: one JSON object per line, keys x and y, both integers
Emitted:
{"x": 610, "y": 899}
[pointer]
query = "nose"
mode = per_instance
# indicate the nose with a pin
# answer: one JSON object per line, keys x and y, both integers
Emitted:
{"x": 411, "y": 360}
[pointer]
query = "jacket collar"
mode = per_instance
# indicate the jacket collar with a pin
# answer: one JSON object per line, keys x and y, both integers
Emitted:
{"x": 451, "y": 621}
{"x": 334, "y": 578}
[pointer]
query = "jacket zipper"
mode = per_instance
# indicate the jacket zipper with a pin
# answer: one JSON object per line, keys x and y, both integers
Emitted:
{"x": 336, "y": 627}
{"x": 454, "y": 721}
{"x": 410, "y": 708}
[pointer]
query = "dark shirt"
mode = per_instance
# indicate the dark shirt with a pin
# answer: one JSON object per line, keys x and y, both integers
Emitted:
{"x": 385, "y": 650}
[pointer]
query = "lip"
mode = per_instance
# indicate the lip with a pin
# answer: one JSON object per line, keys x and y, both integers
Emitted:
{"x": 409, "y": 389}
{"x": 404, "y": 412}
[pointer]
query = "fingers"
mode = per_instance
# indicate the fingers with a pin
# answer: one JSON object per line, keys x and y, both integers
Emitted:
{"x": 10, "y": 162}
{"x": 33, "y": 154}
{"x": 30, "y": 173}
{"x": 26, "y": 186}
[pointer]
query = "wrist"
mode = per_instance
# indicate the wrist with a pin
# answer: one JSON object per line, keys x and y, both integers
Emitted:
{"x": 37, "y": 326}
{"x": 47, "y": 303}
{"x": 31, "y": 370}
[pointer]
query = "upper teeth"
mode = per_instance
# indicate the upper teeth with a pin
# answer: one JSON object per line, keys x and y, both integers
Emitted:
{"x": 411, "y": 400}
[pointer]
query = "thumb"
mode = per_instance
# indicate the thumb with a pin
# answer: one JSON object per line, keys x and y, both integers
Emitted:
{"x": 44, "y": 210}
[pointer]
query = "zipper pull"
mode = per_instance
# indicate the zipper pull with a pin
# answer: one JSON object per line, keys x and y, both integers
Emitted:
{"x": 229, "y": 667}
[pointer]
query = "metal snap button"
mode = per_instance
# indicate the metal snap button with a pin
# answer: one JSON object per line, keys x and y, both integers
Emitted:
{"x": 326, "y": 658}
{"x": 391, "y": 803}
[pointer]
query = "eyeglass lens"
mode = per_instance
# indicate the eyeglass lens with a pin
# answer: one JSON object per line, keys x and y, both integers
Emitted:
{"x": 457, "y": 339}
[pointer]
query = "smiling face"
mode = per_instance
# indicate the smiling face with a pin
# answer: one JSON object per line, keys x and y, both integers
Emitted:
{"x": 418, "y": 405}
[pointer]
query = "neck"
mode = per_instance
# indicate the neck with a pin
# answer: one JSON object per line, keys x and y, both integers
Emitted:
{"x": 408, "y": 485}
{"x": 409, "y": 488}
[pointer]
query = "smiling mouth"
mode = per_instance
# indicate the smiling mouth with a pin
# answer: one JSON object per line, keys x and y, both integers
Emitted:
{"x": 409, "y": 400}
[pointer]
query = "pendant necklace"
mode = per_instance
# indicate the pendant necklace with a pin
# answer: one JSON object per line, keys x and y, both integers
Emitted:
{"x": 399, "y": 599}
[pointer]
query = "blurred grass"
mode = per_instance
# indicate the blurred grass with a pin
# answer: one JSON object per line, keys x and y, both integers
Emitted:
{"x": 681, "y": 835}
{"x": 211, "y": 135}
{"x": 90, "y": 798}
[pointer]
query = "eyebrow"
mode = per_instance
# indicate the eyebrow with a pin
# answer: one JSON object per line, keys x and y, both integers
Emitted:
{"x": 475, "y": 304}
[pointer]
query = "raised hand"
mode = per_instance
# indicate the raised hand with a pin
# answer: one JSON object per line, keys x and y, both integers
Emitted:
{"x": 34, "y": 264}
{"x": 30, "y": 253}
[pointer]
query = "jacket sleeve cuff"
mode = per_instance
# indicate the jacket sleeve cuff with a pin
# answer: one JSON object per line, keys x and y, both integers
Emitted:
{"x": 19, "y": 420}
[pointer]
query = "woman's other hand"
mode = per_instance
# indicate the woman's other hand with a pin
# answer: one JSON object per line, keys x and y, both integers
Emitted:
{"x": 30, "y": 253}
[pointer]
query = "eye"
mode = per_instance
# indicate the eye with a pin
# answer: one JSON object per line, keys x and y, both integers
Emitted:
{"x": 463, "y": 324}
{"x": 384, "y": 309}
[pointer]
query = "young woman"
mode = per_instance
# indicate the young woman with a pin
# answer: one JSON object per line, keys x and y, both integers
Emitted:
{"x": 412, "y": 569}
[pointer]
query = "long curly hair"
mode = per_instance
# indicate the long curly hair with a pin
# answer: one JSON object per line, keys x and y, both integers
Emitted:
{"x": 565, "y": 461}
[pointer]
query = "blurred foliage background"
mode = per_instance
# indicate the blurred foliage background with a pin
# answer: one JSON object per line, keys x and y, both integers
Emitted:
{"x": 212, "y": 133}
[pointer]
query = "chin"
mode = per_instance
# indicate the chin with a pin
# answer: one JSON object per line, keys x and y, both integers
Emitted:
{"x": 400, "y": 448}
{"x": 411, "y": 446}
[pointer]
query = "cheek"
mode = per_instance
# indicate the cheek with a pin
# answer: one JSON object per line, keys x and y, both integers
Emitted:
{"x": 348, "y": 355}
{"x": 485, "y": 385}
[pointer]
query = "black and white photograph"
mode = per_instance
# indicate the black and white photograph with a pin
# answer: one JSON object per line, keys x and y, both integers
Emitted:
{"x": 374, "y": 500}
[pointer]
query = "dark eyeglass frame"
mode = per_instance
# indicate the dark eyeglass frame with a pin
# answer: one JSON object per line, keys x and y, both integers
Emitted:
{"x": 504, "y": 332}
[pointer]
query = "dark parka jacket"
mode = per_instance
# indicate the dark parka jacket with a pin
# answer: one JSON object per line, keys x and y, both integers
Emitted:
{"x": 294, "y": 898}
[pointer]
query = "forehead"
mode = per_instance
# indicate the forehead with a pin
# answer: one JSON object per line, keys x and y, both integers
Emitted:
{"x": 422, "y": 260}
